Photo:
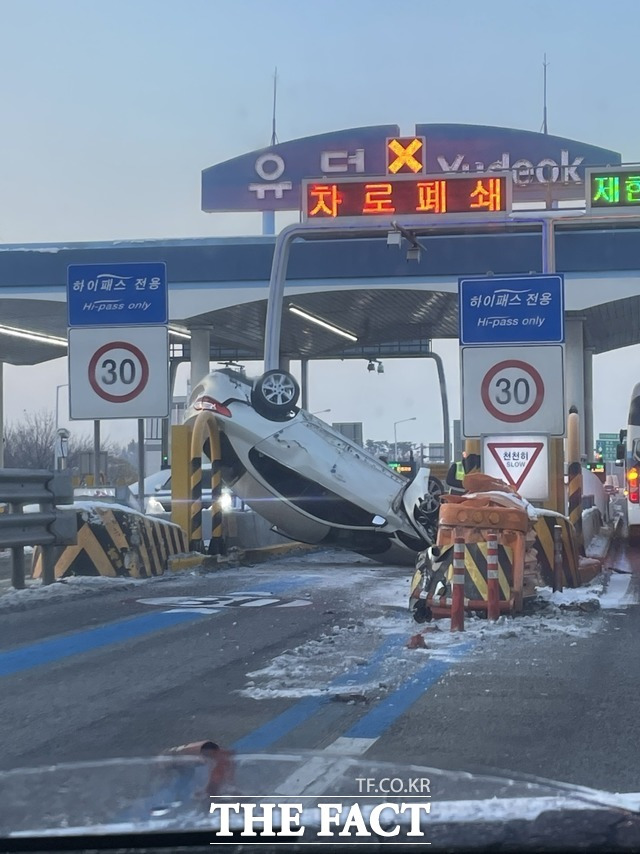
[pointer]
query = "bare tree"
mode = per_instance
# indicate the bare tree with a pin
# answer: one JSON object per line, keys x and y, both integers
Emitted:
{"x": 30, "y": 443}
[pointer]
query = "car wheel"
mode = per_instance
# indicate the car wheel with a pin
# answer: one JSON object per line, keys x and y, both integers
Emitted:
{"x": 275, "y": 394}
{"x": 427, "y": 512}
{"x": 421, "y": 612}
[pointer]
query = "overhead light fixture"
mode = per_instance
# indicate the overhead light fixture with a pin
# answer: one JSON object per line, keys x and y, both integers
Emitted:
{"x": 394, "y": 238}
{"x": 413, "y": 253}
{"x": 27, "y": 335}
{"x": 371, "y": 366}
{"x": 320, "y": 322}
{"x": 179, "y": 333}
{"x": 380, "y": 368}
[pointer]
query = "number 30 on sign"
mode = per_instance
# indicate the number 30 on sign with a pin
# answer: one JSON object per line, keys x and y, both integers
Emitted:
{"x": 512, "y": 390}
{"x": 110, "y": 377}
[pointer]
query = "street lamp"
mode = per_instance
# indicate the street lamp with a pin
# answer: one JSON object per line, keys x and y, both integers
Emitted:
{"x": 58, "y": 387}
{"x": 395, "y": 434}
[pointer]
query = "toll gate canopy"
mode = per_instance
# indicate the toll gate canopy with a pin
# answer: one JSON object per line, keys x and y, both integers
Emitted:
{"x": 392, "y": 306}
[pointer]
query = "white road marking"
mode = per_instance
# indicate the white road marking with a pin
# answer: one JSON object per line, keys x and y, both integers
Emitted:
{"x": 352, "y": 746}
{"x": 617, "y": 593}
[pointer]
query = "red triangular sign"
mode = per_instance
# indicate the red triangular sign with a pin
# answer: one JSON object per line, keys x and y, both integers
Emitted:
{"x": 496, "y": 447}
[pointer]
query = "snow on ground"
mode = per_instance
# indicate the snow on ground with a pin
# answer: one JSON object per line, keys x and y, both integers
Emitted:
{"x": 35, "y": 593}
{"x": 365, "y": 658}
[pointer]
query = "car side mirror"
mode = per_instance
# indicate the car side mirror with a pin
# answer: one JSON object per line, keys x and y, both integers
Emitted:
{"x": 619, "y": 463}
{"x": 621, "y": 452}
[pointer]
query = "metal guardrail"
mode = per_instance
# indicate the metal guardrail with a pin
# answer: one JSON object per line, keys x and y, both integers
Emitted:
{"x": 47, "y": 528}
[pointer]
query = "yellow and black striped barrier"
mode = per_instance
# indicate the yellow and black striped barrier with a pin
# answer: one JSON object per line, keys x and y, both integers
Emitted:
{"x": 206, "y": 424}
{"x": 574, "y": 471}
{"x": 575, "y": 497}
{"x": 195, "y": 509}
{"x": 115, "y": 542}
{"x": 476, "y": 589}
{"x": 544, "y": 547}
{"x": 216, "y": 543}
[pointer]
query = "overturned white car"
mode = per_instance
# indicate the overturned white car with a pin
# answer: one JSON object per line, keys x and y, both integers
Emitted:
{"x": 312, "y": 483}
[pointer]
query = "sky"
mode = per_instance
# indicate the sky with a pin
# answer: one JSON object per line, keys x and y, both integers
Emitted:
{"x": 112, "y": 108}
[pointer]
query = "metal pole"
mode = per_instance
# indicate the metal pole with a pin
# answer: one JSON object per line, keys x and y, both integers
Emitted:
{"x": 1, "y": 415}
{"x": 395, "y": 440}
{"x": 304, "y": 384}
{"x": 574, "y": 472}
{"x": 548, "y": 246}
{"x": 273, "y": 322}
{"x": 280, "y": 260}
{"x": 556, "y": 457}
{"x": 166, "y": 422}
{"x": 48, "y": 557}
{"x": 558, "y": 567}
{"x": 141, "y": 463}
{"x": 96, "y": 453}
{"x": 457, "y": 586}
{"x": 268, "y": 222}
{"x": 589, "y": 442}
{"x": 445, "y": 405}
{"x": 17, "y": 557}
{"x": 493, "y": 584}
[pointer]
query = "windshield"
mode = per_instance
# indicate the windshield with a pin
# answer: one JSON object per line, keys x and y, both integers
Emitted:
{"x": 319, "y": 329}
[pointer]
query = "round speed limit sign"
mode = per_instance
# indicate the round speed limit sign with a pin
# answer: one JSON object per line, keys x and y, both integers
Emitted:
{"x": 513, "y": 390}
{"x": 118, "y": 372}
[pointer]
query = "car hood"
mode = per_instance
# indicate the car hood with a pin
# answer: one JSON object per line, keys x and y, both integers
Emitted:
{"x": 173, "y": 794}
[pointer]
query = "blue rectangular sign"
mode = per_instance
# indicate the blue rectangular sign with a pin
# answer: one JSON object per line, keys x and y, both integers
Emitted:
{"x": 117, "y": 294}
{"x": 511, "y": 310}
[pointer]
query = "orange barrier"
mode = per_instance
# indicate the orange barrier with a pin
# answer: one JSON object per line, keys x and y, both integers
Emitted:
{"x": 474, "y": 519}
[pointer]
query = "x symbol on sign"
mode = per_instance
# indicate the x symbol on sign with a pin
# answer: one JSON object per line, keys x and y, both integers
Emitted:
{"x": 404, "y": 156}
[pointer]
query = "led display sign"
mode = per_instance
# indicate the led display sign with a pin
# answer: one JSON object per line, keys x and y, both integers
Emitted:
{"x": 613, "y": 189}
{"x": 403, "y": 196}
{"x": 406, "y": 154}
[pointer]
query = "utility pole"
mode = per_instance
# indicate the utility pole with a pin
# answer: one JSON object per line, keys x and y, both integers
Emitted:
{"x": 544, "y": 102}
{"x": 274, "y": 135}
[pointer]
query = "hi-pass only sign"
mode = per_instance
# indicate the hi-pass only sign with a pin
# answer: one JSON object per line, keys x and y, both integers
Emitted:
{"x": 117, "y": 294}
{"x": 512, "y": 310}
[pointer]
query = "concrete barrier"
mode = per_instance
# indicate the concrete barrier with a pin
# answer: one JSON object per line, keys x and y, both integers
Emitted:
{"x": 114, "y": 540}
{"x": 591, "y": 524}
{"x": 245, "y": 529}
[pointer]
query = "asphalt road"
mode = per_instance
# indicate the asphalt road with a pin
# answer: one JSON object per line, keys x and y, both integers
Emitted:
{"x": 310, "y": 652}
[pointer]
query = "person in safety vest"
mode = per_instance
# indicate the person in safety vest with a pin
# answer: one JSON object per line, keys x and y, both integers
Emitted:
{"x": 458, "y": 469}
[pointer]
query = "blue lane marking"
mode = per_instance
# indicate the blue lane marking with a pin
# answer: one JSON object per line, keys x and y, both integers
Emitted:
{"x": 274, "y": 729}
{"x": 277, "y": 727}
{"x": 380, "y": 718}
{"x": 57, "y": 648}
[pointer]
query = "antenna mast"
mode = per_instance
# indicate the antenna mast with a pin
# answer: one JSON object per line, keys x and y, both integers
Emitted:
{"x": 544, "y": 108}
{"x": 274, "y": 135}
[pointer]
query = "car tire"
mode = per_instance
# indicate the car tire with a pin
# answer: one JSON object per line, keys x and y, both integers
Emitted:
{"x": 430, "y": 506}
{"x": 275, "y": 395}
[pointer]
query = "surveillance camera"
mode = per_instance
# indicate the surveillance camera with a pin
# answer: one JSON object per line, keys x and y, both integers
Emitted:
{"x": 380, "y": 368}
{"x": 371, "y": 366}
